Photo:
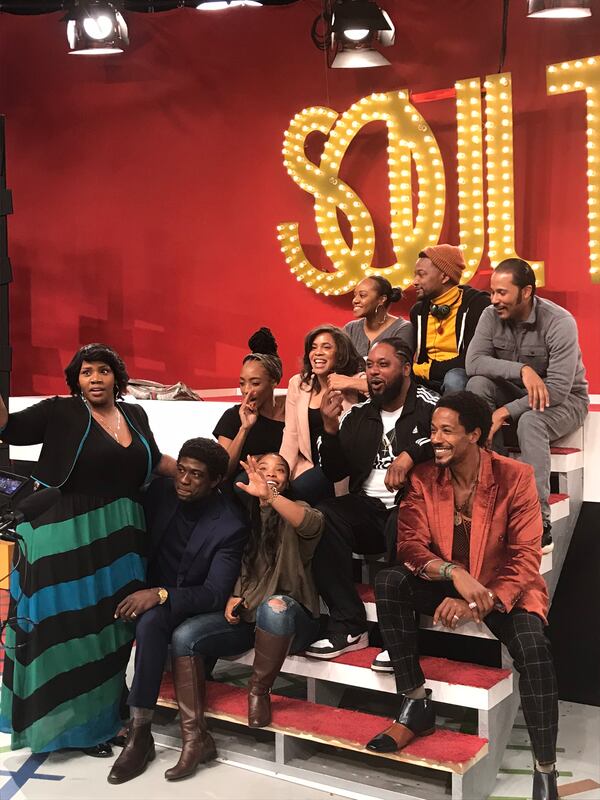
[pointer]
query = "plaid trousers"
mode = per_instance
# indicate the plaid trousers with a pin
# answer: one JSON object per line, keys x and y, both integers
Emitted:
{"x": 400, "y": 596}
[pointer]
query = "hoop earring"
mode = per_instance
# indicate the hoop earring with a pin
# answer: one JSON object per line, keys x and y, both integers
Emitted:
{"x": 385, "y": 316}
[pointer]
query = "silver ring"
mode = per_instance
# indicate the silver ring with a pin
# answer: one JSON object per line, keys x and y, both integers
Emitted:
{"x": 456, "y": 616}
{"x": 491, "y": 594}
{"x": 134, "y": 615}
{"x": 473, "y": 605}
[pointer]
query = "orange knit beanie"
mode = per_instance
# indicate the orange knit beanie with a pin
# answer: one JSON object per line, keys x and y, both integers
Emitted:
{"x": 448, "y": 259}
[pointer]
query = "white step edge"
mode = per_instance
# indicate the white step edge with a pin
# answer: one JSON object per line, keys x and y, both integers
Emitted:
{"x": 561, "y": 462}
{"x": 364, "y": 678}
{"x": 560, "y": 510}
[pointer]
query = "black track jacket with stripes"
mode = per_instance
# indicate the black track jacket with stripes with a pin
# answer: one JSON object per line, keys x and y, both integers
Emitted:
{"x": 352, "y": 451}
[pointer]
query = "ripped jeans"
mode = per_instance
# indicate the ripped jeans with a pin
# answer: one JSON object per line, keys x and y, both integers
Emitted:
{"x": 211, "y": 636}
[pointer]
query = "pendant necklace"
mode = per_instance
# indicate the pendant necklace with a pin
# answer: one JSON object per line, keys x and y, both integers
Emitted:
{"x": 114, "y": 432}
{"x": 460, "y": 514}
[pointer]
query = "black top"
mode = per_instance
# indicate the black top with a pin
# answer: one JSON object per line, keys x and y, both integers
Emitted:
{"x": 62, "y": 425}
{"x": 472, "y": 304}
{"x": 165, "y": 566}
{"x": 353, "y": 450}
{"x": 263, "y": 437}
{"x": 316, "y": 428}
{"x": 107, "y": 469}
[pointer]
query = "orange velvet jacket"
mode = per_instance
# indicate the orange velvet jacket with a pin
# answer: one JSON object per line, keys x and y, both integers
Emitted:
{"x": 505, "y": 551}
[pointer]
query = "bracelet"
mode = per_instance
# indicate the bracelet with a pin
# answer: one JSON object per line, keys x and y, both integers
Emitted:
{"x": 274, "y": 495}
{"x": 446, "y": 568}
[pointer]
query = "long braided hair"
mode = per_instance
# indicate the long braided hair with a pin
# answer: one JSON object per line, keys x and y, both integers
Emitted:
{"x": 264, "y": 539}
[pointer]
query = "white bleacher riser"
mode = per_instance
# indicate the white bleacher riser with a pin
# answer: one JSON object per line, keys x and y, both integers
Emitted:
{"x": 561, "y": 462}
{"x": 560, "y": 510}
{"x": 348, "y": 675}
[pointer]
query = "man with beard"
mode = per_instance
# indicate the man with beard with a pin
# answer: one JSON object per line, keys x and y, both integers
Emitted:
{"x": 525, "y": 362}
{"x": 469, "y": 532}
{"x": 375, "y": 444}
{"x": 444, "y": 318}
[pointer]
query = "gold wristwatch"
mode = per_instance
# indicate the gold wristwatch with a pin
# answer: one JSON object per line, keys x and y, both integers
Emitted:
{"x": 163, "y": 596}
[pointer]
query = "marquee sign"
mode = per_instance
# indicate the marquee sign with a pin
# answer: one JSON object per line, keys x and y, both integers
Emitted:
{"x": 481, "y": 210}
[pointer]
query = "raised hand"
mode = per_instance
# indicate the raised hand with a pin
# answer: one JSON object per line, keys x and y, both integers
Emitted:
{"x": 257, "y": 486}
{"x": 248, "y": 412}
{"x": 331, "y": 410}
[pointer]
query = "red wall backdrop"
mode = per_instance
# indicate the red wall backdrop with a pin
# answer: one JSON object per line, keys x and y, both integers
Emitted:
{"x": 147, "y": 187}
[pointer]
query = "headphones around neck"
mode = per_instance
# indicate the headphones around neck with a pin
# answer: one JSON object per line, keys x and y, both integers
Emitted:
{"x": 441, "y": 311}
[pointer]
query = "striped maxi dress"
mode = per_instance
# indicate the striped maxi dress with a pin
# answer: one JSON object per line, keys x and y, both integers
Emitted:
{"x": 66, "y": 655}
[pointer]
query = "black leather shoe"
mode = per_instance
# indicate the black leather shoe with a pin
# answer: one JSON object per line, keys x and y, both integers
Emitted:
{"x": 416, "y": 718}
{"x": 544, "y": 785}
{"x": 102, "y": 750}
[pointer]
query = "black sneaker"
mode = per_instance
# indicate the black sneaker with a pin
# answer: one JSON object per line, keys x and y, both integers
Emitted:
{"x": 382, "y": 663}
{"x": 547, "y": 543}
{"x": 336, "y": 644}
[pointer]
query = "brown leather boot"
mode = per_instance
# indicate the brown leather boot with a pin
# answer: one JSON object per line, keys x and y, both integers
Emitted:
{"x": 135, "y": 756}
{"x": 198, "y": 746}
{"x": 269, "y": 654}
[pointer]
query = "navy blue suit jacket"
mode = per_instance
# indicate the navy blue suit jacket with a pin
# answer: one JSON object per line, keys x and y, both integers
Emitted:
{"x": 211, "y": 561}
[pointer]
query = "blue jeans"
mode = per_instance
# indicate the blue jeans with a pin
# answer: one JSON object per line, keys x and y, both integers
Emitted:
{"x": 455, "y": 380}
{"x": 211, "y": 636}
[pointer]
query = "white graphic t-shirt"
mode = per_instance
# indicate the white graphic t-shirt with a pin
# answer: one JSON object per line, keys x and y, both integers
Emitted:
{"x": 374, "y": 486}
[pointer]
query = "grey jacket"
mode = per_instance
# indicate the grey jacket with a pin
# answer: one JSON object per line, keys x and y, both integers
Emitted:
{"x": 547, "y": 341}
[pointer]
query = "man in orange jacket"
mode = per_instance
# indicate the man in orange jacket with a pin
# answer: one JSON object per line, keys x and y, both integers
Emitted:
{"x": 469, "y": 548}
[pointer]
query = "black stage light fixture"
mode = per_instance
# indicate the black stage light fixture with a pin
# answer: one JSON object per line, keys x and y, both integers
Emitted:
{"x": 558, "y": 9}
{"x": 220, "y": 5}
{"x": 96, "y": 27}
{"x": 349, "y": 29}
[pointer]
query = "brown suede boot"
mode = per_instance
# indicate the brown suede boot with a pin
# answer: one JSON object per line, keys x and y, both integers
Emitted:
{"x": 135, "y": 756}
{"x": 269, "y": 654}
{"x": 198, "y": 746}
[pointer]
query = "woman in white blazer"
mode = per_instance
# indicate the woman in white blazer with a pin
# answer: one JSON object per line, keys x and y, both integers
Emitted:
{"x": 328, "y": 352}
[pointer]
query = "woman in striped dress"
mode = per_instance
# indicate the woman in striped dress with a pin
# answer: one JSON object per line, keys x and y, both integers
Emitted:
{"x": 66, "y": 655}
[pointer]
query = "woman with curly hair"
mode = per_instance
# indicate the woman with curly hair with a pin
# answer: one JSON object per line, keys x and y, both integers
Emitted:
{"x": 66, "y": 654}
{"x": 330, "y": 361}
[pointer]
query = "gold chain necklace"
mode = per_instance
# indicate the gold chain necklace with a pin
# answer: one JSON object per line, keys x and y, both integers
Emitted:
{"x": 114, "y": 432}
{"x": 459, "y": 511}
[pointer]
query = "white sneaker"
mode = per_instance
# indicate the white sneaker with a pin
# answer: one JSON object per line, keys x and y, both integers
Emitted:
{"x": 382, "y": 663}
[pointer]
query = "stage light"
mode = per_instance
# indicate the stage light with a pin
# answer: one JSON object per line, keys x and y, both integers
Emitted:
{"x": 348, "y": 30}
{"x": 358, "y": 57}
{"x": 220, "y": 5}
{"x": 96, "y": 27}
{"x": 356, "y": 25}
{"x": 355, "y": 20}
{"x": 559, "y": 9}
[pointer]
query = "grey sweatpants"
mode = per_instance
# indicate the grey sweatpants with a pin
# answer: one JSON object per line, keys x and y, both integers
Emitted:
{"x": 535, "y": 429}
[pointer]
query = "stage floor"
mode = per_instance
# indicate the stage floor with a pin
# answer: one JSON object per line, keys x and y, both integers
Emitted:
{"x": 73, "y": 776}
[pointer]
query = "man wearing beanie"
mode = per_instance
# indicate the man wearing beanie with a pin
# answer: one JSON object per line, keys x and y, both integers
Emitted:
{"x": 444, "y": 318}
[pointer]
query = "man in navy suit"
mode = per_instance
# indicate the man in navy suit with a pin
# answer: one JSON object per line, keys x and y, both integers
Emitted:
{"x": 197, "y": 539}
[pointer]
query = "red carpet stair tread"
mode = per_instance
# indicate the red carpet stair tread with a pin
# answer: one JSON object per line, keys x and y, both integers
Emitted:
{"x": 445, "y": 750}
{"x": 435, "y": 669}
